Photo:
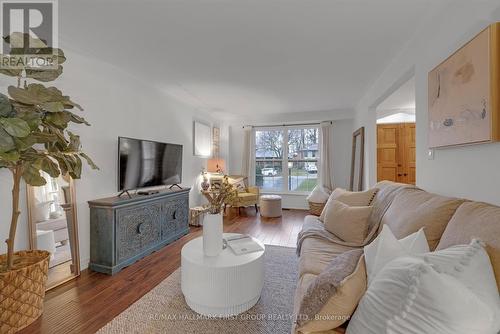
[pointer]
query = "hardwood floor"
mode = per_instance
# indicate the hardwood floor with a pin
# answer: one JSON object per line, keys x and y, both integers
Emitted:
{"x": 87, "y": 303}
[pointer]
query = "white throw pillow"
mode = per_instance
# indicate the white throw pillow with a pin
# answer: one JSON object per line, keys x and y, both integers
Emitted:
{"x": 409, "y": 296}
{"x": 386, "y": 248}
{"x": 319, "y": 195}
{"x": 471, "y": 265}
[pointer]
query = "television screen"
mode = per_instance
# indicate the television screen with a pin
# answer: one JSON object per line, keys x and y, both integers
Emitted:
{"x": 145, "y": 163}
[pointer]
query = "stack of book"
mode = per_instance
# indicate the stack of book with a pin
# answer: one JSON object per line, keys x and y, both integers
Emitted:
{"x": 242, "y": 244}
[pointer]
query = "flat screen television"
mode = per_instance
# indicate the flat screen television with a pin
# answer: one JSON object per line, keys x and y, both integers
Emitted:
{"x": 146, "y": 163}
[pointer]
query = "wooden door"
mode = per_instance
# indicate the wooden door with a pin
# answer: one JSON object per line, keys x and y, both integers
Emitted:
{"x": 387, "y": 152}
{"x": 396, "y": 152}
{"x": 410, "y": 153}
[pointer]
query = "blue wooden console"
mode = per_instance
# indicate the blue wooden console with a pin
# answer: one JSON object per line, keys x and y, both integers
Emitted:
{"x": 124, "y": 230}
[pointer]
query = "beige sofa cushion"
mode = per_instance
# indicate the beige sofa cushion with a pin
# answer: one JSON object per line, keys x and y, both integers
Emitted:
{"x": 351, "y": 198}
{"x": 476, "y": 220}
{"x": 349, "y": 223}
{"x": 413, "y": 209}
{"x": 339, "y": 306}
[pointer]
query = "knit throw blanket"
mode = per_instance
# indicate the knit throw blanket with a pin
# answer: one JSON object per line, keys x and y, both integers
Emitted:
{"x": 326, "y": 284}
{"x": 314, "y": 228}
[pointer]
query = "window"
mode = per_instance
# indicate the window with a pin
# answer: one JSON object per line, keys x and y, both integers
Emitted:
{"x": 286, "y": 158}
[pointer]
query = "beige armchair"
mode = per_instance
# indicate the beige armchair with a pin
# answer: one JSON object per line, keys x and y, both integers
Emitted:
{"x": 249, "y": 196}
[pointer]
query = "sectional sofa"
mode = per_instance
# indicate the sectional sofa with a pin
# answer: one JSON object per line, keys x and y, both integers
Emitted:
{"x": 447, "y": 221}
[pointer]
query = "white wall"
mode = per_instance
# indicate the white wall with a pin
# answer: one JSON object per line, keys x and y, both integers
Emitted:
{"x": 115, "y": 104}
{"x": 471, "y": 171}
{"x": 342, "y": 145}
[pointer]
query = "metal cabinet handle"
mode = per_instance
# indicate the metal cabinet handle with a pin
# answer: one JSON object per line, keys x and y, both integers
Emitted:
{"x": 405, "y": 174}
{"x": 140, "y": 228}
{"x": 174, "y": 215}
{"x": 400, "y": 174}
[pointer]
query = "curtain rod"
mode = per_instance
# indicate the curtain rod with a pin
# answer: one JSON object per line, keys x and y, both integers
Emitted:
{"x": 284, "y": 125}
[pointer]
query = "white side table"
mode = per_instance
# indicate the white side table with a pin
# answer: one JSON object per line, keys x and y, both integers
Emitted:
{"x": 223, "y": 285}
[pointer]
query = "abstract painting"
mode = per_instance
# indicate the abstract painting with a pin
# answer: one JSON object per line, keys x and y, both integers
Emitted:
{"x": 460, "y": 110}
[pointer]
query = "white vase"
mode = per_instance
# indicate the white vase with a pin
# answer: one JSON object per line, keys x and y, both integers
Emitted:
{"x": 212, "y": 234}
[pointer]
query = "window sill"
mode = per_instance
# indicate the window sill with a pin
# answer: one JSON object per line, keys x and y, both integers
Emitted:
{"x": 292, "y": 193}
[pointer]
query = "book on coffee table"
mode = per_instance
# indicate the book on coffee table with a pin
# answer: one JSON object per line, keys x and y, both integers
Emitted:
{"x": 242, "y": 244}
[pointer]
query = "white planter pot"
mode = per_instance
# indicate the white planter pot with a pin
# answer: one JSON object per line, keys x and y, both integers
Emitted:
{"x": 212, "y": 234}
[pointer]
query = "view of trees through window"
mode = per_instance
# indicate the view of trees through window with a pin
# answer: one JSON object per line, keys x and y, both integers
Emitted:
{"x": 286, "y": 159}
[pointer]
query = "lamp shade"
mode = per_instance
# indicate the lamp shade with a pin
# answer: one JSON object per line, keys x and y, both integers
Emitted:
{"x": 216, "y": 165}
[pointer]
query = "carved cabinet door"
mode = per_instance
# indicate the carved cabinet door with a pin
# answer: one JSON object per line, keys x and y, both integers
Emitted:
{"x": 175, "y": 217}
{"x": 138, "y": 228}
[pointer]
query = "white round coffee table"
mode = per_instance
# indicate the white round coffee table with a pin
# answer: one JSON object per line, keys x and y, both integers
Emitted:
{"x": 223, "y": 285}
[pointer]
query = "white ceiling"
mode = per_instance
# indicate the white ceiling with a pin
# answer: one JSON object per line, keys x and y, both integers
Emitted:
{"x": 247, "y": 56}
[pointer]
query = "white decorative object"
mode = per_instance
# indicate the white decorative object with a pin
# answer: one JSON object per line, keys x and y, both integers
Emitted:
{"x": 212, "y": 234}
{"x": 221, "y": 286}
{"x": 202, "y": 140}
{"x": 386, "y": 248}
{"x": 319, "y": 195}
{"x": 411, "y": 296}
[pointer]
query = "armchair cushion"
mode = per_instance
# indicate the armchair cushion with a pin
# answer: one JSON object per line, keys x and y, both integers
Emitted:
{"x": 247, "y": 196}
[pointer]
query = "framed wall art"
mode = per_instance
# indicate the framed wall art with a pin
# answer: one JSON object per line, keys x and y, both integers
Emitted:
{"x": 202, "y": 140}
{"x": 463, "y": 93}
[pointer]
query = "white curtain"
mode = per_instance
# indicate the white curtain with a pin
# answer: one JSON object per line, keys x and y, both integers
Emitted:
{"x": 248, "y": 156}
{"x": 325, "y": 173}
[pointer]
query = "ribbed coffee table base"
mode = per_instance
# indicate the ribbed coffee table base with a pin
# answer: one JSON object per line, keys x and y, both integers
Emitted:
{"x": 223, "y": 285}
{"x": 221, "y": 312}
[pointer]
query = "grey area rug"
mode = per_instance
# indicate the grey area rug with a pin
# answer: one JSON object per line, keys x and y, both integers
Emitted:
{"x": 163, "y": 309}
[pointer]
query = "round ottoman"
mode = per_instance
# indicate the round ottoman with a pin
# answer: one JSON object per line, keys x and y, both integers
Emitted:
{"x": 270, "y": 206}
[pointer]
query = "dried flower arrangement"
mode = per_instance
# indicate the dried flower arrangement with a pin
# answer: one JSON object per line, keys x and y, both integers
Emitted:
{"x": 218, "y": 195}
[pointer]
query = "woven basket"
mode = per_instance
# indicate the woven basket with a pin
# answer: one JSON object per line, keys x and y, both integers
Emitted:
{"x": 316, "y": 208}
{"x": 22, "y": 289}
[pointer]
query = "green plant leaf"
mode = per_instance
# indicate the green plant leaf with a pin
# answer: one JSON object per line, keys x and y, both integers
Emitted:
{"x": 33, "y": 118}
{"x": 56, "y": 95}
{"x": 11, "y": 72}
{"x": 17, "y": 38}
{"x": 78, "y": 119}
{"x": 5, "y": 106}
{"x": 74, "y": 142}
{"x": 44, "y": 137}
{"x": 44, "y": 75}
{"x": 34, "y": 94}
{"x": 89, "y": 161}
{"x": 24, "y": 143}
{"x": 62, "y": 161}
{"x": 52, "y": 106}
{"x": 58, "y": 119}
{"x": 32, "y": 156}
{"x": 76, "y": 166}
{"x": 50, "y": 167}
{"x": 11, "y": 156}
{"x": 15, "y": 127}
{"x": 31, "y": 176}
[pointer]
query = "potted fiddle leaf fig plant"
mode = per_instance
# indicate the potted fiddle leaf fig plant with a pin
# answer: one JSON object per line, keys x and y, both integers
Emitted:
{"x": 34, "y": 137}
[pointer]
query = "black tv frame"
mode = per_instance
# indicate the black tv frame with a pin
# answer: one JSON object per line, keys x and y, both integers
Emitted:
{"x": 123, "y": 191}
